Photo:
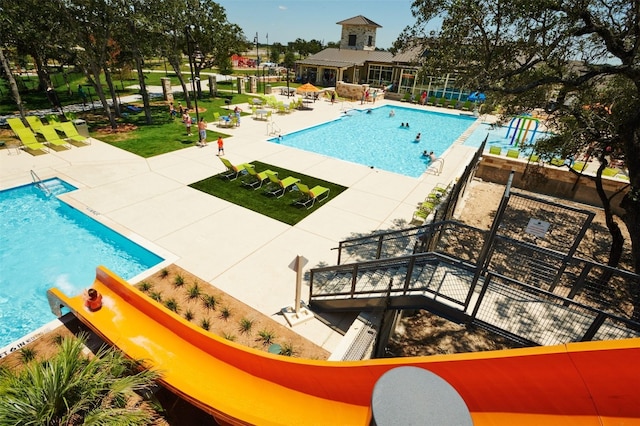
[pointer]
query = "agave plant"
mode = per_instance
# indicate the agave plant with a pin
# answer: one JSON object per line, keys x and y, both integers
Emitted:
{"x": 70, "y": 389}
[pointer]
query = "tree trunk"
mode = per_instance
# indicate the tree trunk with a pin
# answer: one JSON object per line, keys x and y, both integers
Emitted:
{"x": 94, "y": 78}
{"x": 12, "y": 83}
{"x": 143, "y": 90}
{"x": 112, "y": 90}
{"x": 630, "y": 134}
{"x": 44, "y": 79}
{"x": 175, "y": 64}
{"x": 617, "y": 239}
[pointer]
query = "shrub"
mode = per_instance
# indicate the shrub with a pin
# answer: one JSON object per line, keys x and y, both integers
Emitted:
{"x": 245, "y": 325}
{"x": 57, "y": 339}
{"x": 145, "y": 286}
{"x": 205, "y": 323}
{"x": 266, "y": 336}
{"x": 188, "y": 315}
{"x": 178, "y": 280}
{"x": 164, "y": 273}
{"x": 225, "y": 313}
{"x": 171, "y": 304}
{"x": 194, "y": 291}
{"x": 156, "y": 295}
{"x": 209, "y": 301}
{"x": 27, "y": 354}
{"x": 230, "y": 337}
{"x": 287, "y": 350}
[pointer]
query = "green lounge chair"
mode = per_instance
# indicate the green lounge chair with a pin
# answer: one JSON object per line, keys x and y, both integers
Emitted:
{"x": 309, "y": 196}
{"x": 34, "y": 122}
{"x": 256, "y": 179}
{"x": 277, "y": 187}
{"x": 29, "y": 140}
{"x": 71, "y": 133}
{"x": 51, "y": 137}
{"x": 513, "y": 153}
{"x": 558, "y": 162}
{"x": 232, "y": 171}
{"x": 495, "y": 150}
{"x": 15, "y": 124}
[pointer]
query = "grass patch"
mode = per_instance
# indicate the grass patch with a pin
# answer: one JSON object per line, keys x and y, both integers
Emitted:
{"x": 282, "y": 209}
{"x": 164, "y": 135}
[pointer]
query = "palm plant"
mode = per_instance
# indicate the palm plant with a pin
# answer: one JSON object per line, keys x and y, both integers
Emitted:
{"x": 71, "y": 389}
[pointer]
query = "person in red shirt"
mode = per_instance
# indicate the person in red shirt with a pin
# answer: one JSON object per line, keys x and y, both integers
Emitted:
{"x": 93, "y": 299}
{"x": 220, "y": 146}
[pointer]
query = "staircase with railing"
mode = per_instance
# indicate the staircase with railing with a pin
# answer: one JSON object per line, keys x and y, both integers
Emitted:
{"x": 437, "y": 267}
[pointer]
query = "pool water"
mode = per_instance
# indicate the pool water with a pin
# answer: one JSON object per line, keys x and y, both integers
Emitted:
{"x": 46, "y": 243}
{"x": 377, "y": 139}
{"x": 497, "y": 136}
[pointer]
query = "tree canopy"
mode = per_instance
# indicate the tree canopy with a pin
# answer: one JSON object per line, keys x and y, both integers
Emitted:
{"x": 577, "y": 58}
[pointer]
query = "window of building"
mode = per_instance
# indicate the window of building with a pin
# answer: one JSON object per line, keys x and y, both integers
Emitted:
{"x": 352, "y": 40}
{"x": 370, "y": 41}
{"x": 379, "y": 75}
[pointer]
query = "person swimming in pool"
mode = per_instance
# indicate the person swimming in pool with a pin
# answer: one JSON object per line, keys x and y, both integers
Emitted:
{"x": 418, "y": 136}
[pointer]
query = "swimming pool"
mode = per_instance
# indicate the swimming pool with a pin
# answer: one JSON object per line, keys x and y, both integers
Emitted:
{"x": 377, "y": 139}
{"x": 47, "y": 243}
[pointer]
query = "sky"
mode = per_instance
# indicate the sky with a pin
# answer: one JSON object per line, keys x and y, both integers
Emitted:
{"x": 284, "y": 21}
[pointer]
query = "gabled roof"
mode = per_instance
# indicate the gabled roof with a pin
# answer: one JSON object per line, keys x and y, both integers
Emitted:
{"x": 359, "y": 20}
{"x": 344, "y": 58}
{"x": 409, "y": 55}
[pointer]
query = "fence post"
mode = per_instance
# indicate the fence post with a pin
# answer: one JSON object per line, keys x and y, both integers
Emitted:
{"x": 488, "y": 242}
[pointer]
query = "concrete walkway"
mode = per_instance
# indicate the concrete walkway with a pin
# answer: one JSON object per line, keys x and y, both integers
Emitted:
{"x": 239, "y": 251}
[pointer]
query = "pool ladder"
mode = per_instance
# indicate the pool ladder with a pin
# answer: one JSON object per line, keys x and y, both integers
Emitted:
{"x": 435, "y": 168}
{"x": 273, "y": 129}
{"x": 38, "y": 182}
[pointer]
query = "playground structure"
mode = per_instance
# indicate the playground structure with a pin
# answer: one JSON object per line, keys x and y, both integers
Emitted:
{"x": 521, "y": 129}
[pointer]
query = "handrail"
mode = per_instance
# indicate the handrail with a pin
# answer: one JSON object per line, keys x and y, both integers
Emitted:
{"x": 432, "y": 166}
{"x": 38, "y": 182}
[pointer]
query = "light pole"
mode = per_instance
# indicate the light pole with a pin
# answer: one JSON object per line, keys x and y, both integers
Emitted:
{"x": 257, "y": 59}
{"x": 193, "y": 79}
{"x": 287, "y": 65}
{"x": 264, "y": 86}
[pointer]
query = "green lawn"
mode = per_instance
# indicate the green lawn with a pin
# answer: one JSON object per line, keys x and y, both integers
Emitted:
{"x": 164, "y": 135}
{"x": 282, "y": 209}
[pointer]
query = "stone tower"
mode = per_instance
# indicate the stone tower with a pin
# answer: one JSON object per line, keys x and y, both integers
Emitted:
{"x": 358, "y": 33}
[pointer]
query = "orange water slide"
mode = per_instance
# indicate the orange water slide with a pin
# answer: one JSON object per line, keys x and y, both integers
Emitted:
{"x": 592, "y": 383}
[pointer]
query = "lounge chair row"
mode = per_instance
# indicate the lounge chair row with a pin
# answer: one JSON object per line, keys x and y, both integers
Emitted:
{"x": 274, "y": 185}
{"x": 431, "y": 201}
{"x": 48, "y": 132}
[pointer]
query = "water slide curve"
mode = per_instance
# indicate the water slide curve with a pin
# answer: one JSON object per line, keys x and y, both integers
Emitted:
{"x": 590, "y": 383}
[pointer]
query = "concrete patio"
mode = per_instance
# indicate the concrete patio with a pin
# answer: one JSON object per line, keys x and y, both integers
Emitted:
{"x": 239, "y": 251}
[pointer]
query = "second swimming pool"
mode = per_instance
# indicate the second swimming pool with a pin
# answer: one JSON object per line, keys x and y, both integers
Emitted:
{"x": 47, "y": 243}
{"x": 378, "y": 140}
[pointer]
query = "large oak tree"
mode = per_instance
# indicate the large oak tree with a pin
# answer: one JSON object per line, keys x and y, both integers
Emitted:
{"x": 582, "y": 54}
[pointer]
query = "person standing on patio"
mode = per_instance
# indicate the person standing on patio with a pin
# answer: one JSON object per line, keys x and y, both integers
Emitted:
{"x": 186, "y": 119}
{"x": 202, "y": 132}
{"x": 220, "y": 146}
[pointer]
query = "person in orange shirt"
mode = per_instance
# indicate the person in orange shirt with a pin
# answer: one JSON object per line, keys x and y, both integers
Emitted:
{"x": 92, "y": 299}
{"x": 220, "y": 146}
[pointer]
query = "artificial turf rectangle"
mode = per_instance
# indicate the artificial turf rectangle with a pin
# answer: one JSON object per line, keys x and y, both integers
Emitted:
{"x": 282, "y": 209}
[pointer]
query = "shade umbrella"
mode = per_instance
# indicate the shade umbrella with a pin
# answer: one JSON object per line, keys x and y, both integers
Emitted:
{"x": 307, "y": 88}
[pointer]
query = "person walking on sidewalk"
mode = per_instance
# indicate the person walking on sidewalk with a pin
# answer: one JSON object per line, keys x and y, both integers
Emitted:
{"x": 202, "y": 132}
{"x": 186, "y": 119}
{"x": 220, "y": 146}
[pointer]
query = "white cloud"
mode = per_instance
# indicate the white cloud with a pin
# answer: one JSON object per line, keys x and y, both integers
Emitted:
{"x": 282, "y": 7}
